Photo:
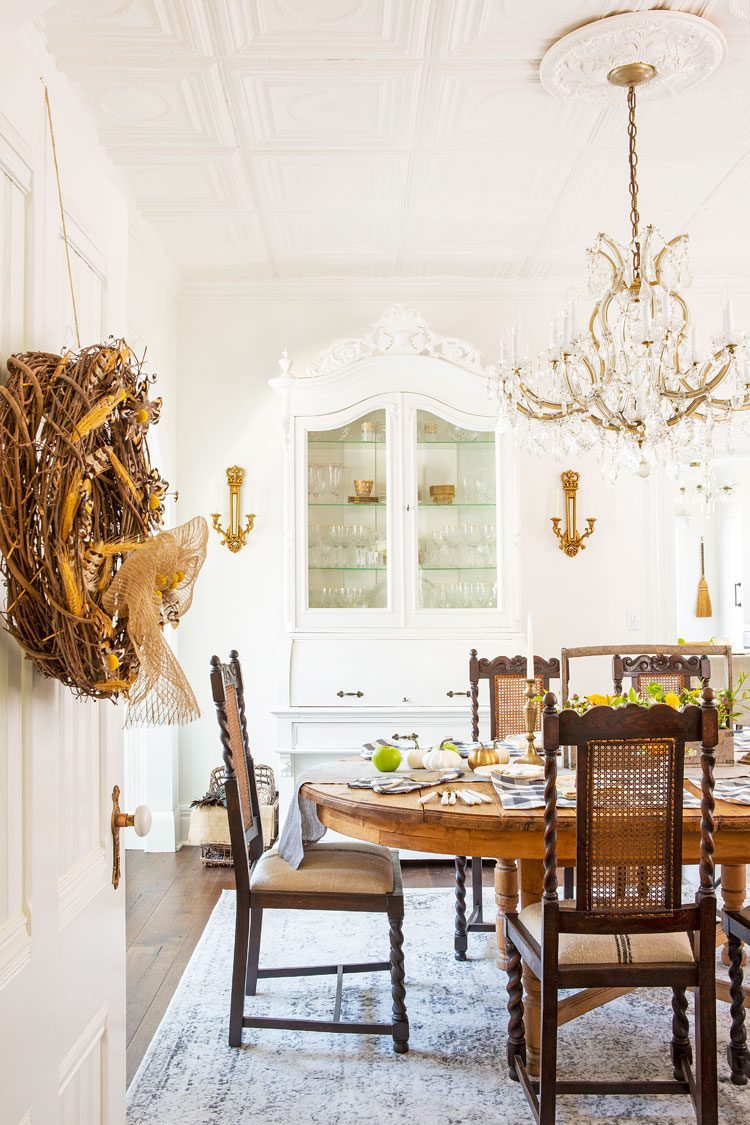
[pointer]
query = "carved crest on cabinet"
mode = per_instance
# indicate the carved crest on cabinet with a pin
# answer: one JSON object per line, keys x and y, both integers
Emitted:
{"x": 399, "y": 331}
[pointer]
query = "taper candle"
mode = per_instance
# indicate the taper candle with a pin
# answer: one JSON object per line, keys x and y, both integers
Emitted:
{"x": 529, "y": 650}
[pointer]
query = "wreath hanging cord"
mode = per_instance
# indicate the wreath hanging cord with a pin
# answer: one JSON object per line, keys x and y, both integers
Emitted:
{"x": 79, "y": 500}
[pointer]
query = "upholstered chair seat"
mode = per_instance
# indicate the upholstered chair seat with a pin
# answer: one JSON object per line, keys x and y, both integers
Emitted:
{"x": 609, "y": 949}
{"x": 359, "y": 868}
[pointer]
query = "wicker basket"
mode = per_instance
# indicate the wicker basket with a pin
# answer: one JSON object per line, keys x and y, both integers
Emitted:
{"x": 209, "y": 824}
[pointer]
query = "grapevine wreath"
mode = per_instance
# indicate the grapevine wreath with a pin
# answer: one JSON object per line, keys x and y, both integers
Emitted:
{"x": 91, "y": 580}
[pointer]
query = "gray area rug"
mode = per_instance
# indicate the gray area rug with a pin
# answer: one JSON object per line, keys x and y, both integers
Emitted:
{"x": 455, "y": 1071}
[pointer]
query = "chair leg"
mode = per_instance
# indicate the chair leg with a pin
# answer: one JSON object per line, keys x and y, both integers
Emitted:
{"x": 516, "y": 1030}
{"x": 237, "y": 1002}
{"x": 548, "y": 1057}
{"x": 398, "y": 991}
{"x": 253, "y": 951}
{"x": 707, "y": 1093}
{"x": 738, "y": 1055}
{"x": 460, "y": 940}
{"x": 681, "y": 1048}
{"x": 568, "y": 890}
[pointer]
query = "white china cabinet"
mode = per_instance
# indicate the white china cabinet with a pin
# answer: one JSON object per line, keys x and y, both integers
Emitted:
{"x": 400, "y": 522}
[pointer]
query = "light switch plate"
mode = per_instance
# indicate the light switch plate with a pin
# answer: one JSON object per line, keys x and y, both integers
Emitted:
{"x": 634, "y": 619}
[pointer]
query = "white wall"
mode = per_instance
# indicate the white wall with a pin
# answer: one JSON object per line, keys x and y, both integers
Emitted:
{"x": 151, "y": 759}
{"x": 229, "y": 347}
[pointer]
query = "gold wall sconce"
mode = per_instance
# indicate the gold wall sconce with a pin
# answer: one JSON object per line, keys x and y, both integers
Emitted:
{"x": 571, "y": 541}
{"x": 235, "y": 536}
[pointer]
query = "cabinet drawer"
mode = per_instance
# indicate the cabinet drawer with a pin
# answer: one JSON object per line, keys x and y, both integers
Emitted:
{"x": 387, "y": 671}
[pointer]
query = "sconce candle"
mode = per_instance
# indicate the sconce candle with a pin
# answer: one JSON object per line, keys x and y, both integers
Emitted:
{"x": 571, "y": 541}
{"x": 234, "y": 537}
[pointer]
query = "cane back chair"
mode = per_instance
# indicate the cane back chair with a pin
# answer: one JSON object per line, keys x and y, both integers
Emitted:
{"x": 627, "y": 926}
{"x": 361, "y": 877}
{"x": 671, "y": 671}
{"x": 506, "y": 676}
{"x": 737, "y": 929}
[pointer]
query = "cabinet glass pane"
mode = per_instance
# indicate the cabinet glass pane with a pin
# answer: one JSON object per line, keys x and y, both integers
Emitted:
{"x": 346, "y": 515}
{"x": 457, "y": 515}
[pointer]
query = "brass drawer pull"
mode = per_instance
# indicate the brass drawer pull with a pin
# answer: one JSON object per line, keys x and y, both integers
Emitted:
{"x": 452, "y": 693}
{"x": 358, "y": 694}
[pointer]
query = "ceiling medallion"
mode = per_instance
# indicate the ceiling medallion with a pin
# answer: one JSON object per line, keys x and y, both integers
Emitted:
{"x": 683, "y": 49}
{"x": 633, "y": 387}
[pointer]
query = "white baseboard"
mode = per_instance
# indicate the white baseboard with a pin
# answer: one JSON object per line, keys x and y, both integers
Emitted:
{"x": 165, "y": 834}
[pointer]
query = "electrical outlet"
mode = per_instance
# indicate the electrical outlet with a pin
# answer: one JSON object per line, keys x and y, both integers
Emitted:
{"x": 634, "y": 619}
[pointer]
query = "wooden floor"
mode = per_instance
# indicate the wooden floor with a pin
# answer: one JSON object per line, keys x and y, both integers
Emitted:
{"x": 170, "y": 896}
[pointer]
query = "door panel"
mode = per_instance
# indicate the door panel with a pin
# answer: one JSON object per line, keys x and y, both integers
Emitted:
{"x": 62, "y": 925}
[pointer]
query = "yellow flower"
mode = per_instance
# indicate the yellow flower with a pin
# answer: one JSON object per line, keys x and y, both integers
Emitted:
{"x": 598, "y": 700}
{"x": 673, "y": 700}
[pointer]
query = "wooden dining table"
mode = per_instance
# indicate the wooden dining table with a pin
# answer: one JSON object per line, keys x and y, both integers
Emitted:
{"x": 515, "y": 839}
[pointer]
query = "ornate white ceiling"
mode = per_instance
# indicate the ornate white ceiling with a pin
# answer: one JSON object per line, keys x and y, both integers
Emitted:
{"x": 301, "y": 139}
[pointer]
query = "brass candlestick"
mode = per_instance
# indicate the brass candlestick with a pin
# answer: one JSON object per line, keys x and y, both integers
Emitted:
{"x": 530, "y": 758}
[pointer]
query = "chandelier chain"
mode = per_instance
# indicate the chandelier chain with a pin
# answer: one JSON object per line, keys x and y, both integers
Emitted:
{"x": 633, "y": 163}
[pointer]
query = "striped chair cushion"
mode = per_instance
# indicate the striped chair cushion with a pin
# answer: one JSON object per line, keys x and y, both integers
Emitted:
{"x": 623, "y": 949}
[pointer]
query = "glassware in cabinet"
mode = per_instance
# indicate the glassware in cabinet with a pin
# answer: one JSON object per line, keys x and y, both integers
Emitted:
{"x": 457, "y": 550}
{"x": 346, "y": 509}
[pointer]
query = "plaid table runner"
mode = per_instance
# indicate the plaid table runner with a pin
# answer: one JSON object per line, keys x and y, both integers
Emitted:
{"x": 515, "y": 793}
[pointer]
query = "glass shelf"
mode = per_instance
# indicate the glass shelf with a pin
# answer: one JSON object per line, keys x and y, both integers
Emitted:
{"x": 355, "y": 507}
{"x": 446, "y": 569}
{"x": 337, "y": 441}
{"x": 449, "y": 444}
{"x": 353, "y": 569}
{"x": 455, "y": 504}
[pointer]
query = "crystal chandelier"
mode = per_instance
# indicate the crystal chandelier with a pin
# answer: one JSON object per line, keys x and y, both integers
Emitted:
{"x": 632, "y": 387}
{"x": 699, "y": 492}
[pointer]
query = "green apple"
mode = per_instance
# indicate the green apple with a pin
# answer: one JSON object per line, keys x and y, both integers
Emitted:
{"x": 448, "y": 744}
{"x": 386, "y": 758}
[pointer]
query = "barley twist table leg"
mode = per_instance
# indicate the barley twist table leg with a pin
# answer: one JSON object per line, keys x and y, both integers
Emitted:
{"x": 733, "y": 889}
{"x": 506, "y": 900}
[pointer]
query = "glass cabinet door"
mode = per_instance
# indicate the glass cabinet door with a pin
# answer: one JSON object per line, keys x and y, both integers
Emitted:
{"x": 457, "y": 548}
{"x": 346, "y": 515}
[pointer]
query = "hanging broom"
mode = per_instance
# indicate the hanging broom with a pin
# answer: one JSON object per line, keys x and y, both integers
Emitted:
{"x": 703, "y": 608}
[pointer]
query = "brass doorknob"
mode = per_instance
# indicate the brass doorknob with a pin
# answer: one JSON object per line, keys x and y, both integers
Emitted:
{"x": 140, "y": 820}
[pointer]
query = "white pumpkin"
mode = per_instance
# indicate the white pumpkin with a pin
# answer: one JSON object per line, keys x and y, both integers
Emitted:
{"x": 414, "y": 758}
{"x": 441, "y": 759}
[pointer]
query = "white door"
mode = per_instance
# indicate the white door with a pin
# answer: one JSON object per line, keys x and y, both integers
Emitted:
{"x": 62, "y": 925}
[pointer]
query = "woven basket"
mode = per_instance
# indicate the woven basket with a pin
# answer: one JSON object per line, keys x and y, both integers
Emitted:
{"x": 209, "y": 824}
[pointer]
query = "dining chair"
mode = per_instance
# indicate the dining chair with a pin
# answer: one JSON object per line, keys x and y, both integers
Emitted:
{"x": 332, "y": 876}
{"x": 506, "y": 676}
{"x": 671, "y": 671}
{"x": 737, "y": 929}
{"x": 627, "y": 927}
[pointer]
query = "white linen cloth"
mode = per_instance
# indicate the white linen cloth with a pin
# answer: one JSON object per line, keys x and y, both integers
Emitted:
{"x": 303, "y": 825}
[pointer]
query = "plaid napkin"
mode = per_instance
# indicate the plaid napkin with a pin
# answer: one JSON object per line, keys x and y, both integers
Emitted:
{"x": 368, "y": 748}
{"x": 398, "y": 783}
{"x": 736, "y": 790}
{"x": 516, "y": 793}
{"x": 689, "y": 800}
